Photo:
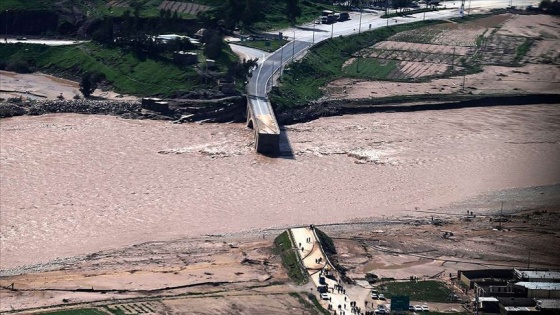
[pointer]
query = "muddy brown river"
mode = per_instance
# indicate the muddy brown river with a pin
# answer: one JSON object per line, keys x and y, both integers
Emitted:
{"x": 76, "y": 184}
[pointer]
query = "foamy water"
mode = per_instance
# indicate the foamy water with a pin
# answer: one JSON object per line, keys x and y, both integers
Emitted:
{"x": 75, "y": 184}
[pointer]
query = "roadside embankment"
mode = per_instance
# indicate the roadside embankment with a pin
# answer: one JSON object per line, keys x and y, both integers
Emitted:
{"x": 406, "y": 104}
{"x": 222, "y": 110}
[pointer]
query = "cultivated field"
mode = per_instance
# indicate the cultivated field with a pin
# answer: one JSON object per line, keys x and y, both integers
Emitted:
{"x": 451, "y": 48}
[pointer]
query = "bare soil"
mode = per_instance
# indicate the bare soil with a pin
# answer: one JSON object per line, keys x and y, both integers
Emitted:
{"x": 38, "y": 86}
{"x": 241, "y": 275}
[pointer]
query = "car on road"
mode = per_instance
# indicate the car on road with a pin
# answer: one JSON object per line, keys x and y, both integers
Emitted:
{"x": 381, "y": 297}
{"x": 425, "y": 308}
{"x": 324, "y": 296}
{"x": 411, "y": 308}
{"x": 417, "y": 308}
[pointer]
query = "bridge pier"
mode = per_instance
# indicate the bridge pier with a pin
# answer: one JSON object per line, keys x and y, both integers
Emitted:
{"x": 267, "y": 141}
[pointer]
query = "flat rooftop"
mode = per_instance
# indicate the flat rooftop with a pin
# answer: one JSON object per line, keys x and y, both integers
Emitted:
{"x": 538, "y": 274}
{"x": 539, "y": 285}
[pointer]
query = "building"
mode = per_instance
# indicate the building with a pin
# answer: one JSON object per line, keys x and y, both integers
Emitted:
{"x": 543, "y": 290}
{"x": 537, "y": 275}
{"x": 489, "y": 276}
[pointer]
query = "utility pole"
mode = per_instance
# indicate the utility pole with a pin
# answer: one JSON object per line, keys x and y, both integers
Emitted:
{"x": 332, "y": 29}
{"x": 314, "y": 32}
{"x": 453, "y": 60}
{"x": 294, "y": 46}
{"x": 360, "y": 26}
{"x": 462, "y": 11}
{"x": 281, "y": 56}
{"x": 501, "y": 217}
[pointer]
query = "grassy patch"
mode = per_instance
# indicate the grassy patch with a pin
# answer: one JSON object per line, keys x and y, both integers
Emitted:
{"x": 523, "y": 49}
{"x": 318, "y": 305}
{"x": 85, "y": 311}
{"x": 275, "y": 16}
{"x": 370, "y": 68}
{"x": 426, "y": 291}
{"x": 302, "y": 82}
{"x": 314, "y": 309}
{"x": 284, "y": 247}
{"x": 125, "y": 71}
{"x": 265, "y": 45}
{"x": 326, "y": 242}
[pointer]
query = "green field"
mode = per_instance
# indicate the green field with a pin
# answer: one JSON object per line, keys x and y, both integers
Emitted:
{"x": 85, "y": 311}
{"x": 370, "y": 68}
{"x": 283, "y": 246}
{"x": 425, "y": 291}
{"x": 127, "y": 72}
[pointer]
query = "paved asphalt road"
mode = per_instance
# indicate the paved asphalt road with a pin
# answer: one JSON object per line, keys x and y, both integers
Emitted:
{"x": 308, "y": 34}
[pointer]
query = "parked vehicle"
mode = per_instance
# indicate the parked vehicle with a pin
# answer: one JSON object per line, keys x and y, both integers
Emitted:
{"x": 411, "y": 308}
{"x": 374, "y": 296}
{"x": 417, "y": 308}
{"x": 324, "y": 296}
{"x": 381, "y": 297}
{"x": 425, "y": 308}
{"x": 344, "y": 16}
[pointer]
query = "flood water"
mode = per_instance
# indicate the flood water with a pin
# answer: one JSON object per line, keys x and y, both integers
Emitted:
{"x": 76, "y": 184}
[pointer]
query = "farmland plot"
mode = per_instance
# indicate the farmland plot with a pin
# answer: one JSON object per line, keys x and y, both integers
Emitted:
{"x": 446, "y": 49}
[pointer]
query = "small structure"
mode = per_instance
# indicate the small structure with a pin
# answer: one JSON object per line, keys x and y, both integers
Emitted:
{"x": 470, "y": 277}
{"x": 185, "y": 57}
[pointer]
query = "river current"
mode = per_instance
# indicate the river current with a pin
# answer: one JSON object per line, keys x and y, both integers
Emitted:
{"x": 76, "y": 184}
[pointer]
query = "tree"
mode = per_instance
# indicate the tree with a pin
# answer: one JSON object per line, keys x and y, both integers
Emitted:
{"x": 88, "y": 83}
{"x": 293, "y": 10}
{"x": 212, "y": 44}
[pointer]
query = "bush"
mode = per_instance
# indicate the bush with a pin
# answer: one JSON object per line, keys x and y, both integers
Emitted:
{"x": 19, "y": 66}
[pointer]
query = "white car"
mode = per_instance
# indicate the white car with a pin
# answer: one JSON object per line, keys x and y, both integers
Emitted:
{"x": 417, "y": 308}
{"x": 324, "y": 296}
{"x": 374, "y": 296}
{"x": 381, "y": 297}
{"x": 425, "y": 308}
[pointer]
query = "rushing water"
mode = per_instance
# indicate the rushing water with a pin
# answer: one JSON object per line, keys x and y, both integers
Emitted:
{"x": 75, "y": 184}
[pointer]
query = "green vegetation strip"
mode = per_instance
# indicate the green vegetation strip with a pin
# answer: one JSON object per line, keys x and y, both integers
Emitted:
{"x": 284, "y": 247}
{"x": 303, "y": 81}
{"x": 425, "y": 291}
{"x": 523, "y": 49}
{"x": 126, "y": 71}
{"x": 371, "y": 68}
